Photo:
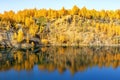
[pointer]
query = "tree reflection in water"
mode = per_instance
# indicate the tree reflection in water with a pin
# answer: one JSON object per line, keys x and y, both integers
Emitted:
{"x": 60, "y": 58}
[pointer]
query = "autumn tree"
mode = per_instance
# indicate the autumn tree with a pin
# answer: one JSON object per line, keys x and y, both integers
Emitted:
{"x": 75, "y": 10}
{"x": 20, "y": 35}
{"x": 63, "y": 12}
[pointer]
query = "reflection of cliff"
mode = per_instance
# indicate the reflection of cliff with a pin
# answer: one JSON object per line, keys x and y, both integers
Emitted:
{"x": 51, "y": 58}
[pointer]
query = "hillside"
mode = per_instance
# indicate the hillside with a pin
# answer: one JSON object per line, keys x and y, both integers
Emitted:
{"x": 73, "y": 27}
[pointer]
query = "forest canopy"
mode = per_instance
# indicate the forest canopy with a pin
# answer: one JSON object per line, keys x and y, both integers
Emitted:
{"x": 65, "y": 26}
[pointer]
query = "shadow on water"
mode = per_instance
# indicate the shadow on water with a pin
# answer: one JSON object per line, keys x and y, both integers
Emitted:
{"x": 61, "y": 59}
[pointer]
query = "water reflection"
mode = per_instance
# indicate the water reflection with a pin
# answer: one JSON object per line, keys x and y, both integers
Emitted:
{"x": 61, "y": 58}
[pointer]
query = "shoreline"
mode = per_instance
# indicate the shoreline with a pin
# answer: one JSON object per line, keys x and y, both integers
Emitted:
{"x": 64, "y": 45}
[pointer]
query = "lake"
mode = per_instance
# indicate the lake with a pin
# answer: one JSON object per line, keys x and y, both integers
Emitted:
{"x": 60, "y": 63}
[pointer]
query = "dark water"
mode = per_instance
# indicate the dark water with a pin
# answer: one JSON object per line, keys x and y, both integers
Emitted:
{"x": 60, "y": 63}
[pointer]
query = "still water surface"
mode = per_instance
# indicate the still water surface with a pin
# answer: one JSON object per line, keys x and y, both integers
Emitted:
{"x": 60, "y": 63}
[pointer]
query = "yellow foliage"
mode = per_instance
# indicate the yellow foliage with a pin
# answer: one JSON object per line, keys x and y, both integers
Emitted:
{"x": 27, "y": 39}
{"x": 75, "y": 10}
{"x": 8, "y": 27}
{"x": 14, "y": 36}
{"x": 44, "y": 41}
{"x": 33, "y": 29}
{"x": 62, "y": 38}
{"x": 20, "y": 35}
{"x": 33, "y": 44}
{"x": 28, "y": 21}
{"x": 41, "y": 29}
{"x": 43, "y": 49}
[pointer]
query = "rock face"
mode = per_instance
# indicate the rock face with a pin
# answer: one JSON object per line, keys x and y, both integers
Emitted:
{"x": 6, "y": 41}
